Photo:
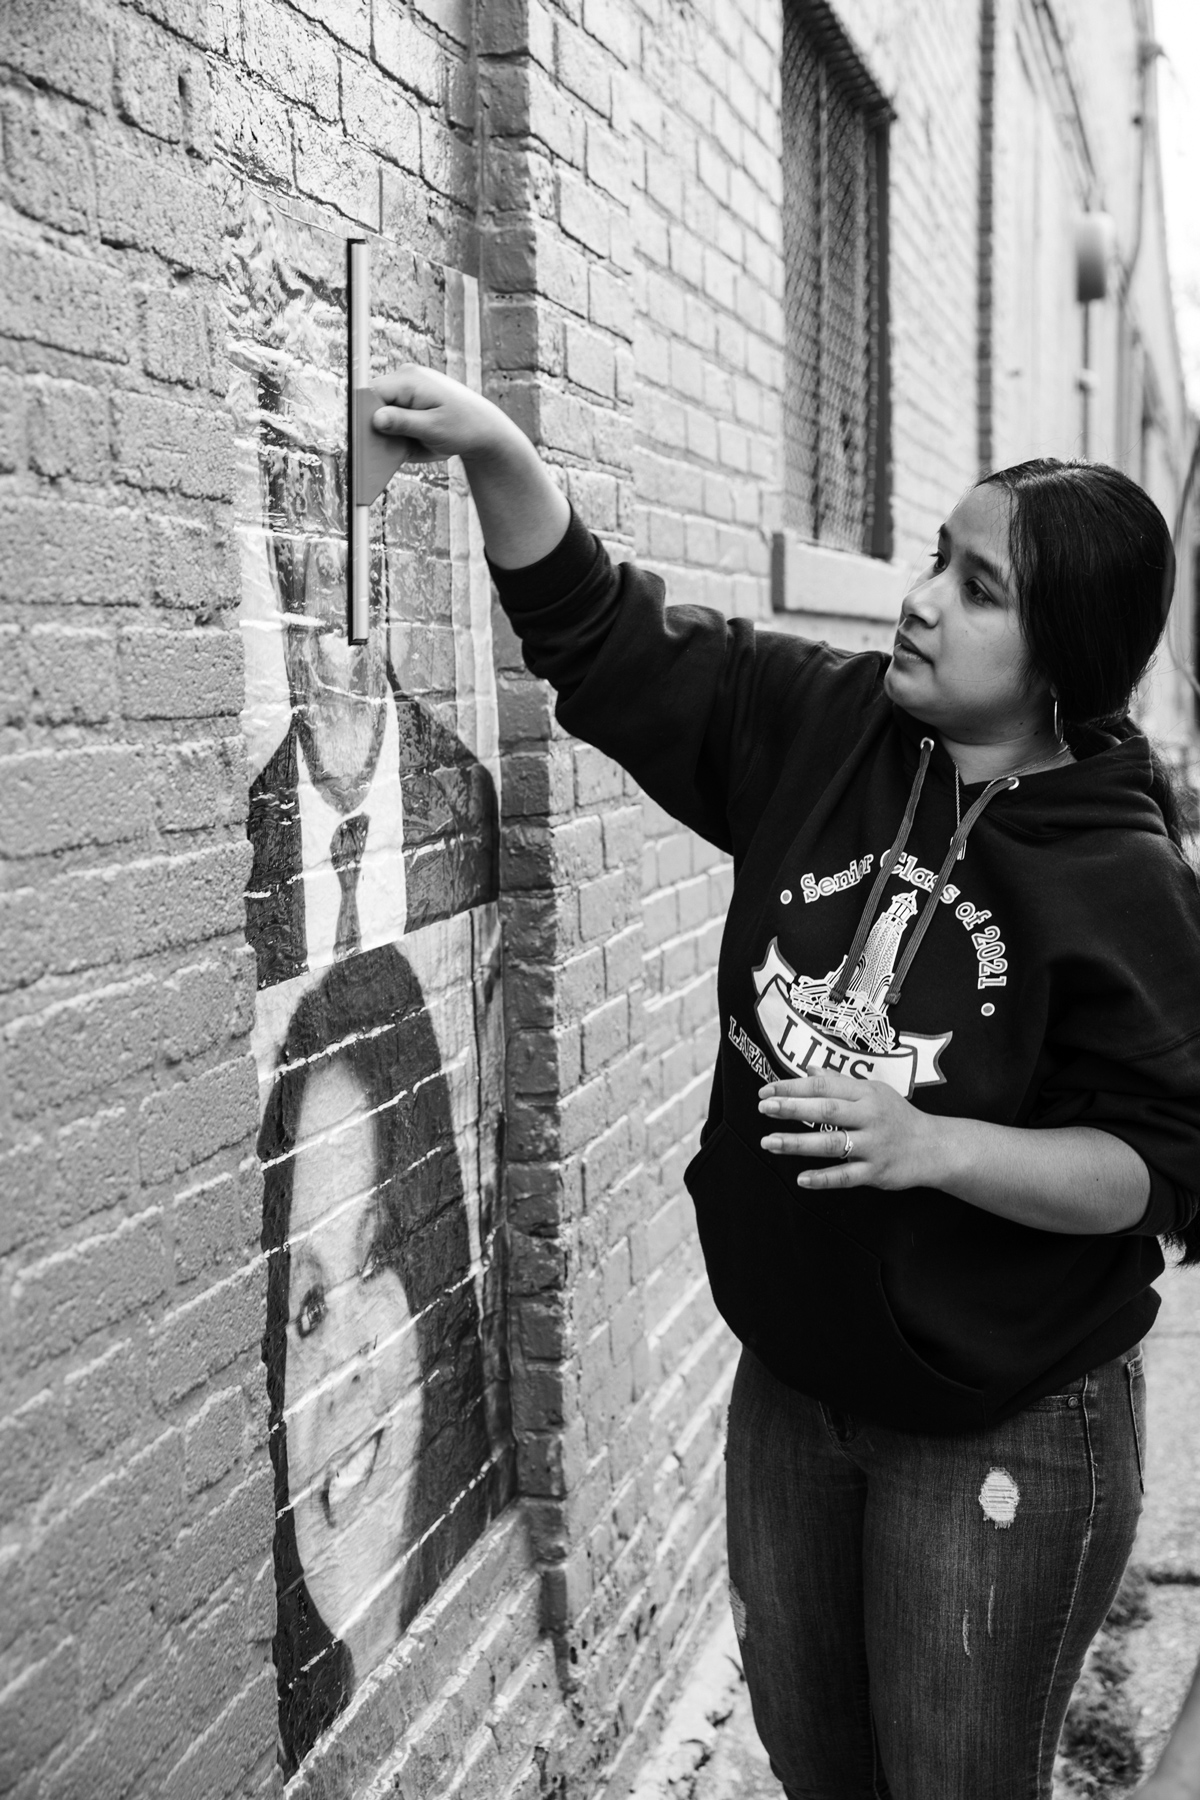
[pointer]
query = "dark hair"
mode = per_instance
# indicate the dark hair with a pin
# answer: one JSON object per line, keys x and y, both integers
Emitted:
{"x": 369, "y": 1013}
{"x": 1095, "y": 571}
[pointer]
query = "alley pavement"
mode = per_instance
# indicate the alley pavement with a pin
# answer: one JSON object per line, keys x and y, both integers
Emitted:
{"x": 709, "y": 1749}
{"x": 1163, "y": 1651}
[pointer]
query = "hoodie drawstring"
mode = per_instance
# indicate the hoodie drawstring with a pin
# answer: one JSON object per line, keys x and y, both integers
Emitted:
{"x": 838, "y": 990}
{"x": 958, "y": 845}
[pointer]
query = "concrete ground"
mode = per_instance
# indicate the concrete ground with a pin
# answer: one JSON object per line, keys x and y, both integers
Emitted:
{"x": 1162, "y": 1652}
{"x": 710, "y": 1750}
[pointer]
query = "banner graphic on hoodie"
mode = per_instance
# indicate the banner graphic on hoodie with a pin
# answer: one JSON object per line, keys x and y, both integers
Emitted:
{"x": 808, "y": 1030}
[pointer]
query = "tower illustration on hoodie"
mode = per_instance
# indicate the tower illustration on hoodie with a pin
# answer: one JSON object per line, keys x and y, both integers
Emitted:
{"x": 811, "y": 1025}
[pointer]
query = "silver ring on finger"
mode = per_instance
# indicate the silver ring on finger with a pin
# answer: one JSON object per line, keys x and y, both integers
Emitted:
{"x": 847, "y": 1149}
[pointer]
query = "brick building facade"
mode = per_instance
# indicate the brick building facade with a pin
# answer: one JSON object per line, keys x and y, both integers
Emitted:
{"x": 582, "y": 205}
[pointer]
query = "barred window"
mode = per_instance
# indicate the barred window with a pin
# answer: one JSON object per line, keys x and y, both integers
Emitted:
{"x": 836, "y": 426}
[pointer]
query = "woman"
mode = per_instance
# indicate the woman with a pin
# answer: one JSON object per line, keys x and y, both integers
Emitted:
{"x": 958, "y": 1094}
{"x": 374, "y": 1361}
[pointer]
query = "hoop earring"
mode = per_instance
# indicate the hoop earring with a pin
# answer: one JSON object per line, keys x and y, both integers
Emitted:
{"x": 1058, "y": 730}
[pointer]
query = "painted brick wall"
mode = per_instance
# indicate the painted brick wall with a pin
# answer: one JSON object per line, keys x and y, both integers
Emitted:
{"x": 558, "y": 257}
{"x": 137, "y": 1615}
{"x": 136, "y": 1546}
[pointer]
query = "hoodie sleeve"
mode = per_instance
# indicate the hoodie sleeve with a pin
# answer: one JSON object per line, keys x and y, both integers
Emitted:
{"x": 700, "y": 709}
{"x": 1152, "y": 1107}
{"x": 1125, "y": 1045}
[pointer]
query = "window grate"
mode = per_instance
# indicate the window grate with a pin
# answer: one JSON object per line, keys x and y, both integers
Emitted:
{"x": 834, "y": 245}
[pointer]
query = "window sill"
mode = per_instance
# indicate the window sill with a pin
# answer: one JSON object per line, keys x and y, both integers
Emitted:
{"x": 809, "y": 579}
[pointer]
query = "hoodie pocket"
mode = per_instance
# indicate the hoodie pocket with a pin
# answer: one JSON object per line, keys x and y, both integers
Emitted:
{"x": 808, "y": 1299}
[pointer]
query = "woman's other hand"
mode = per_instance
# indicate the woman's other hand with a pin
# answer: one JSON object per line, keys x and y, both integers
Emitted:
{"x": 891, "y": 1144}
{"x": 523, "y": 514}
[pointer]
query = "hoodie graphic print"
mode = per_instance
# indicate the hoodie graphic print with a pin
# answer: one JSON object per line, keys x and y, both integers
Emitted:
{"x": 815, "y": 1025}
{"x": 1048, "y": 977}
{"x": 841, "y": 1023}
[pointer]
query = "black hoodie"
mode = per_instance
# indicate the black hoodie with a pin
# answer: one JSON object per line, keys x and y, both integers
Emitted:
{"x": 1055, "y": 981}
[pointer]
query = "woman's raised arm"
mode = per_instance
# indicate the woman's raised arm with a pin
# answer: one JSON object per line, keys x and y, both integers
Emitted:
{"x": 522, "y": 513}
{"x": 698, "y": 707}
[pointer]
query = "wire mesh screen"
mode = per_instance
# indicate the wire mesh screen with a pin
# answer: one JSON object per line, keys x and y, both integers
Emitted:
{"x": 831, "y": 241}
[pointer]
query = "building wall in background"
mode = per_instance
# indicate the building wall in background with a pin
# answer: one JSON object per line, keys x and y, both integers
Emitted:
{"x": 1076, "y": 97}
{"x": 607, "y": 172}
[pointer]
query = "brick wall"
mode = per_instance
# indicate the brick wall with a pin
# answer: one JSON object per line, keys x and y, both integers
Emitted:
{"x": 609, "y": 170}
{"x": 708, "y": 284}
{"x": 137, "y": 1619}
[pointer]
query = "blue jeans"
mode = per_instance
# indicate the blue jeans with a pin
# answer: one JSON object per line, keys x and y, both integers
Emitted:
{"x": 913, "y": 1611}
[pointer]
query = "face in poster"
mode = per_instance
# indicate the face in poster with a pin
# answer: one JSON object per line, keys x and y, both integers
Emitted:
{"x": 371, "y": 908}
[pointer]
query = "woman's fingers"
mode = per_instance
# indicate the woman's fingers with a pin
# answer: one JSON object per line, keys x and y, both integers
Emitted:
{"x": 445, "y": 417}
{"x": 884, "y": 1130}
{"x": 824, "y": 1083}
{"x": 821, "y": 1110}
{"x": 842, "y": 1175}
{"x": 810, "y": 1143}
{"x": 410, "y": 448}
{"x": 815, "y": 1087}
{"x": 434, "y": 414}
{"x": 409, "y": 385}
{"x": 402, "y": 421}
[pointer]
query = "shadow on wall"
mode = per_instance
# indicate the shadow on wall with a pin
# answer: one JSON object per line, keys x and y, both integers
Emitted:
{"x": 372, "y": 913}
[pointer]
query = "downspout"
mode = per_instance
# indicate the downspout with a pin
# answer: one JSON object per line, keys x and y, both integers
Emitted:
{"x": 1177, "y": 539}
{"x": 985, "y": 262}
{"x": 1148, "y": 52}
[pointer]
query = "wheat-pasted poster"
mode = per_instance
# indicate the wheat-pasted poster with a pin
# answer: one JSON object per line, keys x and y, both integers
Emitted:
{"x": 372, "y": 911}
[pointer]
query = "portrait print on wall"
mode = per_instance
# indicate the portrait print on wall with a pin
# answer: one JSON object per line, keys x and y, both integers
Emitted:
{"x": 372, "y": 912}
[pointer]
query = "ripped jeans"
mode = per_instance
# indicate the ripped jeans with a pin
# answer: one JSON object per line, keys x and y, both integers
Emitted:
{"x": 913, "y": 1611}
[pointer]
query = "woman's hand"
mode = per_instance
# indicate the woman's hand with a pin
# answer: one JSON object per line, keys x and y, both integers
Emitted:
{"x": 522, "y": 513}
{"x": 439, "y": 417}
{"x": 892, "y": 1145}
{"x": 1073, "y": 1178}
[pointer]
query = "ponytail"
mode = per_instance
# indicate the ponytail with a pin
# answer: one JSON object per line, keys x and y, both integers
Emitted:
{"x": 1167, "y": 790}
{"x": 1176, "y": 806}
{"x": 1168, "y": 793}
